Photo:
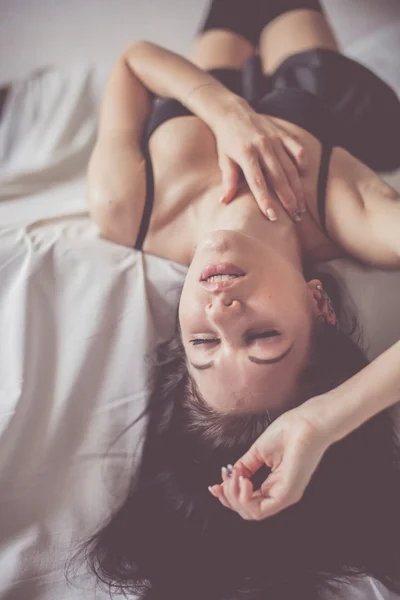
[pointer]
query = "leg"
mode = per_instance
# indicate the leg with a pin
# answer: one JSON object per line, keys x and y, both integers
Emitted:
{"x": 227, "y": 37}
{"x": 234, "y": 28}
{"x": 365, "y": 111}
{"x": 218, "y": 49}
{"x": 293, "y": 32}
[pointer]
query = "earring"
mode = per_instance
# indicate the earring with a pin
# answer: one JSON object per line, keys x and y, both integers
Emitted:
{"x": 330, "y": 305}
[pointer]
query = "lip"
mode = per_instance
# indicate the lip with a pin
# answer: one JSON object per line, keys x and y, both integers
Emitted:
{"x": 223, "y": 268}
{"x": 219, "y": 286}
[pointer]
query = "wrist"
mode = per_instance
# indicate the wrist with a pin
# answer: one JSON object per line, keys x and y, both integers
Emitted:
{"x": 212, "y": 102}
{"x": 328, "y": 415}
{"x": 370, "y": 391}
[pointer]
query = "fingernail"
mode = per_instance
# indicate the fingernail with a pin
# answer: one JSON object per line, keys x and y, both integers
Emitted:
{"x": 224, "y": 471}
{"x": 303, "y": 210}
{"x": 222, "y": 199}
{"x": 296, "y": 216}
{"x": 271, "y": 215}
{"x": 241, "y": 478}
{"x": 230, "y": 470}
{"x": 211, "y": 490}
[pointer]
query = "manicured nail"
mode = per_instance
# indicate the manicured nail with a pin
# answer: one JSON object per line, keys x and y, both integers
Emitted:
{"x": 230, "y": 470}
{"x": 221, "y": 200}
{"x": 224, "y": 471}
{"x": 271, "y": 215}
{"x": 211, "y": 491}
{"x": 297, "y": 216}
{"x": 241, "y": 478}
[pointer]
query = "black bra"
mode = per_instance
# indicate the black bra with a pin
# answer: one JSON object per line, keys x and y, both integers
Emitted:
{"x": 148, "y": 207}
{"x": 292, "y": 104}
{"x": 148, "y": 204}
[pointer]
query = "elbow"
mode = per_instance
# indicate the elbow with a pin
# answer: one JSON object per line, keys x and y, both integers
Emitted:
{"x": 391, "y": 261}
{"x": 136, "y": 50}
{"x": 114, "y": 218}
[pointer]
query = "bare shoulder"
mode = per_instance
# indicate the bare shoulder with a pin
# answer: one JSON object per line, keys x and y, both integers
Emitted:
{"x": 362, "y": 212}
{"x": 351, "y": 172}
{"x": 374, "y": 187}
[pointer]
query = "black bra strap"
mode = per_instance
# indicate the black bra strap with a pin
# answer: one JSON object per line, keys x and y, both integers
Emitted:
{"x": 148, "y": 204}
{"x": 322, "y": 181}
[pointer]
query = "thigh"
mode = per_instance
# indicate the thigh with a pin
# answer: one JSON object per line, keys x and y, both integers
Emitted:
{"x": 294, "y": 32}
{"x": 217, "y": 48}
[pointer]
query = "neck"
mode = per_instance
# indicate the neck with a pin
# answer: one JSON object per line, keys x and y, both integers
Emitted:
{"x": 243, "y": 214}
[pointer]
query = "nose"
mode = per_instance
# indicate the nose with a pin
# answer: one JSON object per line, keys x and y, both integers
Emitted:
{"x": 223, "y": 308}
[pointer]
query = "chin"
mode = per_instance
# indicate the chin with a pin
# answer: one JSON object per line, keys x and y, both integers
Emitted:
{"x": 226, "y": 244}
{"x": 217, "y": 241}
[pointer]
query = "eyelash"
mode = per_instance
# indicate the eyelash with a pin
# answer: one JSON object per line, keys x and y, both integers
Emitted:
{"x": 255, "y": 336}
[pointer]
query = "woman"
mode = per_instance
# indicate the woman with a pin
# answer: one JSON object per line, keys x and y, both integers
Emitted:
{"x": 161, "y": 195}
{"x": 257, "y": 335}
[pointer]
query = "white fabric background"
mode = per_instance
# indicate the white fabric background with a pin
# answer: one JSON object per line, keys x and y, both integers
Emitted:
{"x": 77, "y": 313}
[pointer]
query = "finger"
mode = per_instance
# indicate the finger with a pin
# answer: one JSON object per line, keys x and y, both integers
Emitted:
{"x": 224, "y": 474}
{"x": 212, "y": 491}
{"x": 250, "y": 462}
{"x": 245, "y": 495}
{"x": 230, "y": 180}
{"x": 246, "y": 489}
{"x": 241, "y": 470}
{"x": 268, "y": 507}
{"x": 279, "y": 180}
{"x": 292, "y": 176}
{"x": 256, "y": 182}
{"x": 297, "y": 151}
{"x": 232, "y": 490}
{"x": 222, "y": 497}
{"x": 263, "y": 504}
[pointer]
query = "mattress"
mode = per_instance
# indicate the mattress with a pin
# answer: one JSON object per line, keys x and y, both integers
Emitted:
{"x": 78, "y": 316}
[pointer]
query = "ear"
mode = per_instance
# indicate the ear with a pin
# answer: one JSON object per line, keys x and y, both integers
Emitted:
{"x": 320, "y": 304}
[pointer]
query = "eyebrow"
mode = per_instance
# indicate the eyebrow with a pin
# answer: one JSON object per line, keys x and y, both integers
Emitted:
{"x": 253, "y": 359}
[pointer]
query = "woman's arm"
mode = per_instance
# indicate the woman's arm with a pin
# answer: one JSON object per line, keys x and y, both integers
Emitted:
{"x": 167, "y": 74}
{"x": 243, "y": 138}
{"x": 116, "y": 174}
{"x": 373, "y": 389}
{"x": 141, "y": 70}
{"x": 363, "y": 213}
{"x": 116, "y": 170}
{"x": 295, "y": 443}
{"x": 125, "y": 106}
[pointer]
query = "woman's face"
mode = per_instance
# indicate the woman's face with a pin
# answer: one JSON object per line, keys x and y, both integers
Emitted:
{"x": 246, "y": 338}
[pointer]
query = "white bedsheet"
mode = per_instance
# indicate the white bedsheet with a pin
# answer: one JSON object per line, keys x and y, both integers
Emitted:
{"x": 77, "y": 315}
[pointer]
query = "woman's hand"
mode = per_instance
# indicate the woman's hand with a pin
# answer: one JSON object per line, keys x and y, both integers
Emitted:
{"x": 257, "y": 145}
{"x": 292, "y": 446}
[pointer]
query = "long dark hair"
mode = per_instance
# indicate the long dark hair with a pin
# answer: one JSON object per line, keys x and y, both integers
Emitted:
{"x": 172, "y": 540}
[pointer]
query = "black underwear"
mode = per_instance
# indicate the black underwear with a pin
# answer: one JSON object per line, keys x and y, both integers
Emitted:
{"x": 337, "y": 100}
{"x": 249, "y": 17}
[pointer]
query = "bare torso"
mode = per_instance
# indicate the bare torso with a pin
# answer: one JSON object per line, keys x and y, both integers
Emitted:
{"x": 186, "y": 169}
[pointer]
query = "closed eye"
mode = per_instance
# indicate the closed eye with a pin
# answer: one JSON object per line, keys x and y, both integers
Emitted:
{"x": 198, "y": 341}
{"x": 250, "y": 337}
{"x": 264, "y": 334}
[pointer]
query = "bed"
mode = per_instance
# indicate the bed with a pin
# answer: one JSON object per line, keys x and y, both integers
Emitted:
{"x": 78, "y": 315}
